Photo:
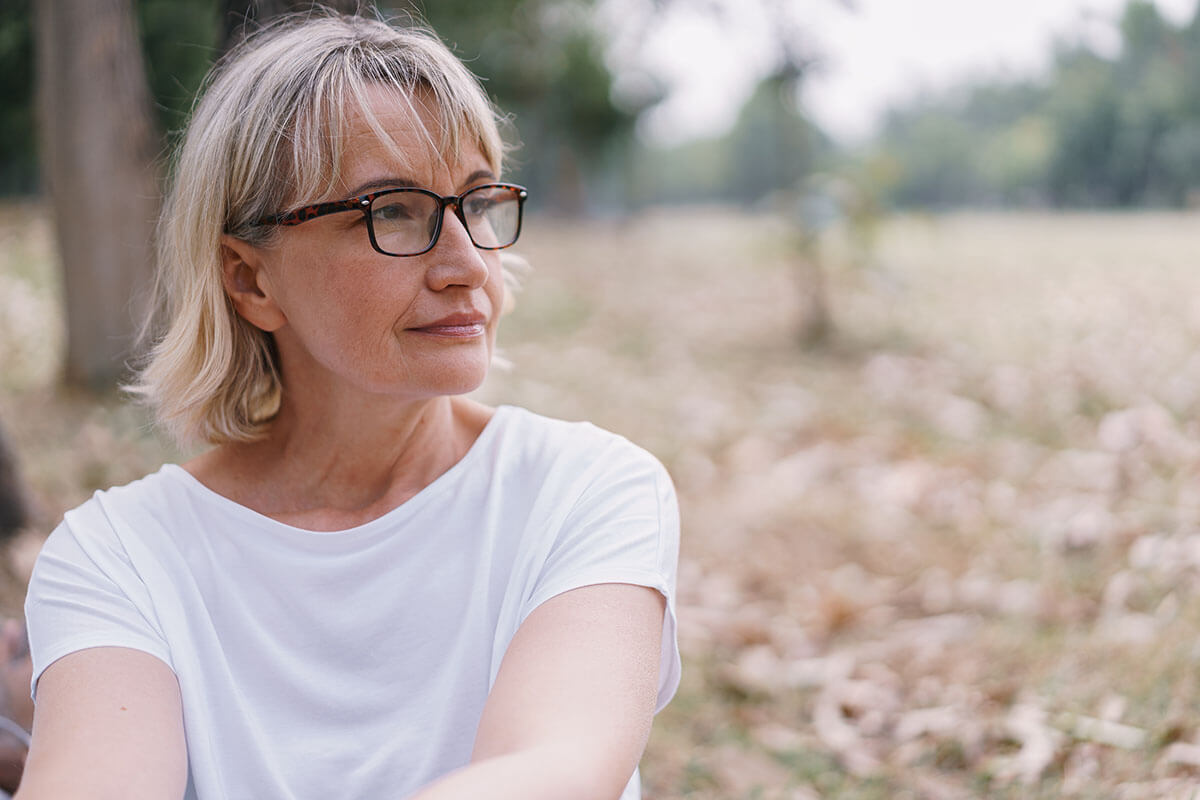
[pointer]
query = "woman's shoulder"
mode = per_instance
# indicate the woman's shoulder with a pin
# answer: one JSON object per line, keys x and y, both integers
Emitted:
{"x": 536, "y": 447}
{"x": 162, "y": 485}
{"x": 155, "y": 495}
{"x": 549, "y": 436}
{"x": 110, "y": 531}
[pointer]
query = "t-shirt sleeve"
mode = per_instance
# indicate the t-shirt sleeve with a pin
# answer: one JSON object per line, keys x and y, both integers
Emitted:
{"x": 623, "y": 528}
{"x": 85, "y": 592}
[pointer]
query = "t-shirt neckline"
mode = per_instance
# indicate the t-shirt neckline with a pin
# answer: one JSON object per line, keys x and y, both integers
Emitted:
{"x": 426, "y": 494}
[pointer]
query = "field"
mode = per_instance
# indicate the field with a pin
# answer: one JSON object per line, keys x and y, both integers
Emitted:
{"x": 952, "y": 551}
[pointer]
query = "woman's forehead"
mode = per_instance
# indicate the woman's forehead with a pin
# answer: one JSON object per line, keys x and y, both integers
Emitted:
{"x": 380, "y": 166}
{"x": 400, "y": 137}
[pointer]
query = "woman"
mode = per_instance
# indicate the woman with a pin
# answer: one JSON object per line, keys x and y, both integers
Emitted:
{"x": 370, "y": 586}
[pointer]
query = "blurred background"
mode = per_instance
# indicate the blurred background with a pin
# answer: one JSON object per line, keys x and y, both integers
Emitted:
{"x": 904, "y": 295}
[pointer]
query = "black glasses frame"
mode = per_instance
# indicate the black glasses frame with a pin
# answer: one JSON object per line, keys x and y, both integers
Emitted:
{"x": 364, "y": 203}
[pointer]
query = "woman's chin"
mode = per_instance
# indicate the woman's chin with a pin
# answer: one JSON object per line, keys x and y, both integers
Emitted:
{"x": 462, "y": 387}
{"x": 461, "y": 376}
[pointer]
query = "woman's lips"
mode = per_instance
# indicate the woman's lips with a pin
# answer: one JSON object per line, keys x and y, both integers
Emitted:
{"x": 463, "y": 326}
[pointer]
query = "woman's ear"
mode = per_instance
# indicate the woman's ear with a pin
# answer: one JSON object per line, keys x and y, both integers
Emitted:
{"x": 246, "y": 284}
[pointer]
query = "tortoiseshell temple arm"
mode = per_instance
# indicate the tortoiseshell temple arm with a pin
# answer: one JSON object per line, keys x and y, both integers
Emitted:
{"x": 319, "y": 210}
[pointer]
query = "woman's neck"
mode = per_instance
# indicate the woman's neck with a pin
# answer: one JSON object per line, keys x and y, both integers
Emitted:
{"x": 325, "y": 468}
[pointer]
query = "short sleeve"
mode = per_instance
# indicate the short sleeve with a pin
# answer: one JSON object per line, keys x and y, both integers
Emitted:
{"x": 85, "y": 592}
{"x": 623, "y": 528}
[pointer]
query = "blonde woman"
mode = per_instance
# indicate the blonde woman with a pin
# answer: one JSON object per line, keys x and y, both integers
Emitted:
{"x": 369, "y": 586}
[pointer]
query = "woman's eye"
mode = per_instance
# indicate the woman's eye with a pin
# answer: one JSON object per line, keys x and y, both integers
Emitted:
{"x": 477, "y": 206}
{"x": 394, "y": 213}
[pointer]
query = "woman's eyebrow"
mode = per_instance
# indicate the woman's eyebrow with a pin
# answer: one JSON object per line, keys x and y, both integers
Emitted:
{"x": 408, "y": 183}
{"x": 384, "y": 183}
{"x": 479, "y": 175}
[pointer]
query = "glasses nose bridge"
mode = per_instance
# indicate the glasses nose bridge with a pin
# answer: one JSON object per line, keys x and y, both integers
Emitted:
{"x": 454, "y": 200}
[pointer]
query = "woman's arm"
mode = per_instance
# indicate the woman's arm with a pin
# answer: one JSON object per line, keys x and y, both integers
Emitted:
{"x": 571, "y": 709}
{"x": 108, "y": 724}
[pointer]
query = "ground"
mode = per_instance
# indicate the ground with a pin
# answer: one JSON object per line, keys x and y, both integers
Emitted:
{"x": 952, "y": 551}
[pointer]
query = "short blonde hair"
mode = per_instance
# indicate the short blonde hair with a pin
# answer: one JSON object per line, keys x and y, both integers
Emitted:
{"x": 263, "y": 138}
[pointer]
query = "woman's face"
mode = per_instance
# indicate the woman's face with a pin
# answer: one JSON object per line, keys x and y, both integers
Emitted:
{"x": 359, "y": 321}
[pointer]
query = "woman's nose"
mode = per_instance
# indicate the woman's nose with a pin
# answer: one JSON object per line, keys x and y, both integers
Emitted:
{"x": 457, "y": 261}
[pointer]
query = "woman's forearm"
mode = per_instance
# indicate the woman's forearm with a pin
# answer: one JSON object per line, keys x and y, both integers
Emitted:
{"x": 543, "y": 773}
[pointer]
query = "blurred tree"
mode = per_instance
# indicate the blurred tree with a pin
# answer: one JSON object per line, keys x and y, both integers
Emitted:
{"x": 772, "y": 146}
{"x": 98, "y": 145}
{"x": 542, "y": 61}
{"x": 179, "y": 39}
{"x": 1085, "y": 108}
{"x": 1113, "y": 117}
{"x": 1121, "y": 131}
{"x": 18, "y": 165}
{"x": 769, "y": 153}
{"x": 935, "y": 148}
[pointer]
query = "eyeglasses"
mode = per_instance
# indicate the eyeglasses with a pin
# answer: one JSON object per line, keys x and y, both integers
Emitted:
{"x": 407, "y": 222}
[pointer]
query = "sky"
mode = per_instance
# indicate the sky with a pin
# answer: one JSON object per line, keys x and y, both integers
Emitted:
{"x": 869, "y": 57}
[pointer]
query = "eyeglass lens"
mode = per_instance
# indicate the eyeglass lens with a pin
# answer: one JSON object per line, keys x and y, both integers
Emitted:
{"x": 405, "y": 221}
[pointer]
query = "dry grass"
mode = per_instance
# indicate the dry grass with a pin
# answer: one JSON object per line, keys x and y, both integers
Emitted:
{"x": 954, "y": 553}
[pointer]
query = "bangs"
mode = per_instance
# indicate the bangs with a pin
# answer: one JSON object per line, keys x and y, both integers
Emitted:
{"x": 460, "y": 119}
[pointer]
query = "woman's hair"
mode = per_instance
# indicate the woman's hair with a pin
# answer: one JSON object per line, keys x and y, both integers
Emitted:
{"x": 265, "y": 137}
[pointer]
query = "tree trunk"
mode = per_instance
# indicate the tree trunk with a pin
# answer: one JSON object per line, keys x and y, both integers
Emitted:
{"x": 816, "y": 321}
{"x": 14, "y": 506}
{"x": 99, "y": 145}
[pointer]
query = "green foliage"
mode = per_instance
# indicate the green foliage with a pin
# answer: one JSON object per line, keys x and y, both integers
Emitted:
{"x": 532, "y": 54}
{"x": 1097, "y": 133}
{"x": 541, "y": 61}
{"x": 771, "y": 147}
{"x": 179, "y": 39}
{"x": 18, "y": 167}
{"x": 984, "y": 146}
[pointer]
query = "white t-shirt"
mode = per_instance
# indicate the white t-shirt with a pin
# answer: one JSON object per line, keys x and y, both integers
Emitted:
{"x": 354, "y": 664}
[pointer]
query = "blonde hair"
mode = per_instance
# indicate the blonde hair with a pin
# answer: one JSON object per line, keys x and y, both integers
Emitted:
{"x": 264, "y": 138}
